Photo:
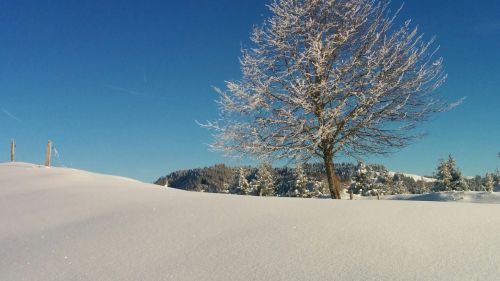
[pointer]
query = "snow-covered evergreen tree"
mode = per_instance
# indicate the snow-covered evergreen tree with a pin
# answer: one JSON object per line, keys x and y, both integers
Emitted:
{"x": 399, "y": 185}
{"x": 488, "y": 183}
{"x": 243, "y": 185}
{"x": 462, "y": 184}
{"x": 457, "y": 181}
{"x": 443, "y": 176}
{"x": 300, "y": 184}
{"x": 422, "y": 188}
{"x": 497, "y": 179}
{"x": 364, "y": 180}
{"x": 449, "y": 176}
{"x": 319, "y": 189}
{"x": 384, "y": 183}
{"x": 264, "y": 182}
{"x": 476, "y": 184}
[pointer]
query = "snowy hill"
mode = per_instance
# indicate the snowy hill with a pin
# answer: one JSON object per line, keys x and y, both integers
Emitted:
{"x": 414, "y": 177}
{"x": 66, "y": 224}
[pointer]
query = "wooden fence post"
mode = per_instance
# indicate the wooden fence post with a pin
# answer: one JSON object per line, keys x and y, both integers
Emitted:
{"x": 12, "y": 150}
{"x": 48, "y": 153}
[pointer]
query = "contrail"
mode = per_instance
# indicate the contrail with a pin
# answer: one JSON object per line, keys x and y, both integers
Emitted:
{"x": 120, "y": 89}
{"x": 132, "y": 92}
{"x": 487, "y": 27}
{"x": 10, "y": 115}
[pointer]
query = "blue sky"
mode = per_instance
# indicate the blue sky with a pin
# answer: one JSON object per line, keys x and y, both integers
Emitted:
{"x": 118, "y": 85}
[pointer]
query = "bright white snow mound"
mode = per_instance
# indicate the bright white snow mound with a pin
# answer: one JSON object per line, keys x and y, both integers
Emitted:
{"x": 65, "y": 224}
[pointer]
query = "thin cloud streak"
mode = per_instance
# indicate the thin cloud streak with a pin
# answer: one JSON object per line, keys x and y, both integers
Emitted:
{"x": 123, "y": 90}
{"x": 133, "y": 93}
{"x": 487, "y": 27}
{"x": 10, "y": 115}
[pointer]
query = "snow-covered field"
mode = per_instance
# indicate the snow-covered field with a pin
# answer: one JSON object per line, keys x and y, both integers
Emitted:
{"x": 65, "y": 224}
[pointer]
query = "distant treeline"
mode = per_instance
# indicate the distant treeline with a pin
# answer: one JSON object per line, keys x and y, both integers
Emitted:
{"x": 309, "y": 180}
{"x": 221, "y": 178}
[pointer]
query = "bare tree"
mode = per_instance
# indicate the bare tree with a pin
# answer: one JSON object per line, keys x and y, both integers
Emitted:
{"x": 327, "y": 78}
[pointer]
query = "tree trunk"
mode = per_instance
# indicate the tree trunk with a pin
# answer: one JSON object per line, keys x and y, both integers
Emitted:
{"x": 333, "y": 180}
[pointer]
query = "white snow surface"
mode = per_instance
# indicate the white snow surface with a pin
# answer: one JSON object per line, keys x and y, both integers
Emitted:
{"x": 66, "y": 224}
{"x": 452, "y": 196}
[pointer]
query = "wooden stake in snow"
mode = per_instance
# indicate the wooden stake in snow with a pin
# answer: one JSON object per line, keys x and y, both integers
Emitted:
{"x": 12, "y": 150}
{"x": 48, "y": 153}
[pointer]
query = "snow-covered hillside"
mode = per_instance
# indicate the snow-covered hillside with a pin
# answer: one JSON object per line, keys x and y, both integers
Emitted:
{"x": 414, "y": 177}
{"x": 65, "y": 224}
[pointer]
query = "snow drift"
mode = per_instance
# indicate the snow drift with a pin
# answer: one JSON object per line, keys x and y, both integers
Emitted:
{"x": 65, "y": 224}
{"x": 452, "y": 196}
